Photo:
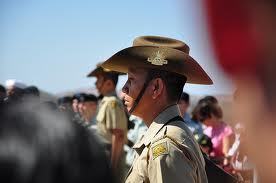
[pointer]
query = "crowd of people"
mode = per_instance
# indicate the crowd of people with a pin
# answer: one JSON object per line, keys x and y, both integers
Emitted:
{"x": 40, "y": 142}
{"x": 113, "y": 129}
{"x": 220, "y": 141}
{"x": 87, "y": 138}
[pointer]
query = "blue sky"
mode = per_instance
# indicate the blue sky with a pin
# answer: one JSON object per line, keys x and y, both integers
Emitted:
{"x": 54, "y": 44}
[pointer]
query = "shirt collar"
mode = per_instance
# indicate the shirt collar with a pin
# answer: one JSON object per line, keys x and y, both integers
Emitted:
{"x": 167, "y": 114}
{"x": 113, "y": 93}
{"x": 106, "y": 97}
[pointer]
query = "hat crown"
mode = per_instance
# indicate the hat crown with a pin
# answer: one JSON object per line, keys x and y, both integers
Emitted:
{"x": 162, "y": 53}
{"x": 161, "y": 42}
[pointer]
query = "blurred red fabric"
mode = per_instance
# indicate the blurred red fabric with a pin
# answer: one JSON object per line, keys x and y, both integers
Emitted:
{"x": 232, "y": 35}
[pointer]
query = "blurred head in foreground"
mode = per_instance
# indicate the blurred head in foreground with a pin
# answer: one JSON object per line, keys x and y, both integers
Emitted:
{"x": 245, "y": 44}
{"x": 43, "y": 146}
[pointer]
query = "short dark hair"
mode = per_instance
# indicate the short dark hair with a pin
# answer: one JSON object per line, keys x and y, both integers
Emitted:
{"x": 174, "y": 82}
{"x": 88, "y": 98}
{"x": 111, "y": 76}
{"x": 185, "y": 97}
{"x": 209, "y": 98}
{"x": 77, "y": 96}
{"x": 205, "y": 110}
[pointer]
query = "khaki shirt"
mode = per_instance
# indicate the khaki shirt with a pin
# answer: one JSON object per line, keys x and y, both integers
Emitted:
{"x": 169, "y": 154}
{"x": 111, "y": 115}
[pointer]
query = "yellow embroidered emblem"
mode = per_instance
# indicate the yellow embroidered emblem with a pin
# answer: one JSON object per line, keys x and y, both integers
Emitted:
{"x": 158, "y": 58}
{"x": 160, "y": 149}
{"x": 113, "y": 104}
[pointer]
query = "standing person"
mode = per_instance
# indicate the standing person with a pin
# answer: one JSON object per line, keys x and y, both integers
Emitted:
{"x": 158, "y": 68}
{"x": 221, "y": 134}
{"x": 87, "y": 106}
{"x": 75, "y": 107}
{"x": 111, "y": 118}
{"x": 184, "y": 104}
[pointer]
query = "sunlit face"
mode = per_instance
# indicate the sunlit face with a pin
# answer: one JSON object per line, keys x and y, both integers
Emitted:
{"x": 89, "y": 109}
{"x": 132, "y": 88}
{"x": 99, "y": 83}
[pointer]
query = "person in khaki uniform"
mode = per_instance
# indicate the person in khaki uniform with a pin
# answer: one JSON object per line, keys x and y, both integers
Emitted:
{"x": 158, "y": 68}
{"x": 111, "y": 118}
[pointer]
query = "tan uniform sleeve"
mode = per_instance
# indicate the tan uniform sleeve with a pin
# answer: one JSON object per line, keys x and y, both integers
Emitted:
{"x": 171, "y": 166}
{"x": 115, "y": 116}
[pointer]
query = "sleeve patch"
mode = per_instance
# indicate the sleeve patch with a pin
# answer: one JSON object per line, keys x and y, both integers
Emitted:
{"x": 160, "y": 149}
{"x": 113, "y": 104}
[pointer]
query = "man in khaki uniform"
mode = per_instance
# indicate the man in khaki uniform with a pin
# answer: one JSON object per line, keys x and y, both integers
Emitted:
{"x": 111, "y": 118}
{"x": 158, "y": 68}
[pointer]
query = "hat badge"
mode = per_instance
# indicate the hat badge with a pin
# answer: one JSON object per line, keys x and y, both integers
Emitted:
{"x": 158, "y": 58}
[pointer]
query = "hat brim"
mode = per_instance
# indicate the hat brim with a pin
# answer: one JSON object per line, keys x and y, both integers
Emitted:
{"x": 177, "y": 62}
{"x": 98, "y": 71}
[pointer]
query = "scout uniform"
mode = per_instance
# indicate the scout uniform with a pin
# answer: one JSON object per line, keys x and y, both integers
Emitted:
{"x": 167, "y": 152}
{"x": 111, "y": 115}
{"x": 160, "y": 156}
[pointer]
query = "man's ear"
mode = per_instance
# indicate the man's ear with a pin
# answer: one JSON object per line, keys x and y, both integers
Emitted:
{"x": 158, "y": 87}
{"x": 109, "y": 82}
